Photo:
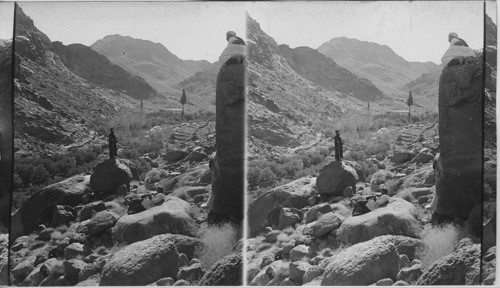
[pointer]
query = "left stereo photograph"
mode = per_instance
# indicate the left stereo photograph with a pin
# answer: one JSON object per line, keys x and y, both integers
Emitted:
{"x": 129, "y": 129}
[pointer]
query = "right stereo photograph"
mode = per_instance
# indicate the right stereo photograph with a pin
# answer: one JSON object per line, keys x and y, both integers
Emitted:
{"x": 371, "y": 143}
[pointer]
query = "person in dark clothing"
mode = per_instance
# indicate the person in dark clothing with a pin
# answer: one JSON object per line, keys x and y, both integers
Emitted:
{"x": 339, "y": 153}
{"x": 112, "y": 144}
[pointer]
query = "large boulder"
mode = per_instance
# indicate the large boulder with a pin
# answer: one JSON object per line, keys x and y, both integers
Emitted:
{"x": 173, "y": 216}
{"x": 39, "y": 207}
{"x": 142, "y": 263}
{"x": 265, "y": 210}
{"x": 228, "y": 165}
{"x": 102, "y": 221}
{"x": 325, "y": 224}
{"x": 335, "y": 177}
{"x": 228, "y": 271}
{"x": 459, "y": 268}
{"x": 402, "y": 156}
{"x": 404, "y": 245}
{"x": 362, "y": 264}
{"x": 110, "y": 174}
{"x": 399, "y": 217}
{"x": 459, "y": 167}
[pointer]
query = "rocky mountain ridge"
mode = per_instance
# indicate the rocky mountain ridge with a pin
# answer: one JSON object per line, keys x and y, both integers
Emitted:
{"x": 378, "y": 63}
{"x": 151, "y": 61}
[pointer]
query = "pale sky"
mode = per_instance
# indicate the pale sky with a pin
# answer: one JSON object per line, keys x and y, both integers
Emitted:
{"x": 6, "y": 18}
{"x": 416, "y": 31}
{"x": 190, "y": 30}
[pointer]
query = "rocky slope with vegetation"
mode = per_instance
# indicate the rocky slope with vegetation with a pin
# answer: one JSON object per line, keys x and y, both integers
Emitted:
{"x": 293, "y": 92}
{"x": 58, "y": 93}
{"x": 136, "y": 220}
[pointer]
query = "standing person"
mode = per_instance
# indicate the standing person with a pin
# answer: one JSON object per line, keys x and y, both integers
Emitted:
{"x": 112, "y": 144}
{"x": 339, "y": 153}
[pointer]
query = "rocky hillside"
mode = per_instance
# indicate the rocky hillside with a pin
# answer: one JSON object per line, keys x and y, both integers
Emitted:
{"x": 426, "y": 86}
{"x": 322, "y": 71}
{"x": 58, "y": 93}
{"x": 97, "y": 69}
{"x": 490, "y": 85}
{"x": 6, "y": 149}
{"x": 378, "y": 63}
{"x": 289, "y": 91}
{"x": 151, "y": 61}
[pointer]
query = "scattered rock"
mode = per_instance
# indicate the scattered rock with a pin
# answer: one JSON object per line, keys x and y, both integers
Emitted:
{"x": 62, "y": 215}
{"x": 265, "y": 210}
{"x": 459, "y": 268}
{"x": 74, "y": 250}
{"x": 410, "y": 274}
{"x": 96, "y": 206}
{"x": 173, "y": 216}
{"x": 71, "y": 270}
{"x": 401, "y": 157}
{"x": 191, "y": 273}
{"x": 362, "y": 264}
{"x": 297, "y": 270}
{"x": 142, "y": 263}
{"x": 225, "y": 272}
{"x": 311, "y": 273}
{"x": 299, "y": 253}
{"x": 384, "y": 282}
{"x": 45, "y": 234}
{"x": 172, "y": 156}
{"x": 289, "y": 217}
{"x": 399, "y": 217}
{"x": 183, "y": 260}
{"x": 167, "y": 281}
{"x": 404, "y": 261}
{"x": 312, "y": 214}
{"x": 325, "y": 224}
{"x": 101, "y": 221}
{"x": 335, "y": 177}
{"x": 22, "y": 270}
{"x": 110, "y": 174}
{"x": 272, "y": 237}
{"x": 39, "y": 206}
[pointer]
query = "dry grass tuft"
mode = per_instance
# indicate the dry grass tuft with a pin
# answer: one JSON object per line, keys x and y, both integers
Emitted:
{"x": 440, "y": 241}
{"x": 218, "y": 242}
{"x": 406, "y": 195}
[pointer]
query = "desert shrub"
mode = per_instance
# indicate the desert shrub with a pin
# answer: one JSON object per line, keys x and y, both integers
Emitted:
{"x": 218, "y": 242}
{"x": 181, "y": 193}
{"x": 128, "y": 153}
{"x": 267, "y": 177}
{"x": 406, "y": 195}
{"x": 155, "y": 175}
{"x": 440, "y": 241}
{"x": 381, "y": 177}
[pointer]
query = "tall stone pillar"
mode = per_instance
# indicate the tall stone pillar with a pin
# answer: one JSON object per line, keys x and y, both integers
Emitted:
{"x": 459, "y": 167}
{"x": 228, "y": 165}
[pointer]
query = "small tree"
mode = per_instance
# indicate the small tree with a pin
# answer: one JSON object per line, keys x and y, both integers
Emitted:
{"x": 183, "y": 101}
{"x": 409, "y": 102}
